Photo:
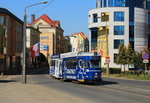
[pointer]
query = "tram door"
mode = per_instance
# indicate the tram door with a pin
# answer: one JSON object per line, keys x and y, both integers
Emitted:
{"x": 81, "y": 69}
{"x": 58, "y": 68}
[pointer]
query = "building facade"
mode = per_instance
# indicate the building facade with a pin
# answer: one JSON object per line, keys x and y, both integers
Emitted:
{"x": 50, "y": 36}
{"x": 11, "y": 44}
{"x": 79, "y": 42}
{"x": 32, "y": 38}
{"x": 117, "y": 21}
{"x": 147, "y": 3}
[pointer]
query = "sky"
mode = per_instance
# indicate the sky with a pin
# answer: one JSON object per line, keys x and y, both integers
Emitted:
{"x": 73, "y": 14}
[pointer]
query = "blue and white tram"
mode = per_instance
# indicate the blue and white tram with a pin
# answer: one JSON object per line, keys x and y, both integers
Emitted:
{"x": 82, "y": 67}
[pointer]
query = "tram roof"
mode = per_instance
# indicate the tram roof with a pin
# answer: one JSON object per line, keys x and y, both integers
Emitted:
{"x": 74, "y": 54}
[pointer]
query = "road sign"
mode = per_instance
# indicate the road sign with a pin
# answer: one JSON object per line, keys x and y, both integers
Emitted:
{"x": 145, "y": 56}
{"x": 107, "y": 61}
{"x": 145, "y": 61}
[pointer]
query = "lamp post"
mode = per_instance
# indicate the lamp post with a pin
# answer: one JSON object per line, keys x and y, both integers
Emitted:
{"x": 24, "y": 43}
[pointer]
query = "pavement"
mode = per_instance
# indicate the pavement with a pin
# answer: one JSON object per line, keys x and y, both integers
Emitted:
{"x": 13, "y": 91}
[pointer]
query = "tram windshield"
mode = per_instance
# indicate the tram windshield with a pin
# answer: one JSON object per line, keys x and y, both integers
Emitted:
{"x": 93, "y": 64}
{"x": 52, "y": 63}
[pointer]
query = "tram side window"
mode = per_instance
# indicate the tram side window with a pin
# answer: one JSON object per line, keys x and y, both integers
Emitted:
{"x": 71, "y": 63}
{"x": 88, "y": 65}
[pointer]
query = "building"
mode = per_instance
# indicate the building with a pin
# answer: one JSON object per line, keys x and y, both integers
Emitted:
{"x": 79, "y": 42}
{"x": 50, "y": 36}
{"x": 32, "y": 38}
{"x": 118, "y": 21}
{"x": 11, "y": 44}
{"x": 147, "y": 3}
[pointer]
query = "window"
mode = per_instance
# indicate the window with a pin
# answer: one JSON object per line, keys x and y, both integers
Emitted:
{"x": 105, "y": 3}
{"x": 71, "y": 63}
{"x": 44, "y": 37}
{"x": 116, "y": 3}
{"x": 93, "y": 64}
{"x": 118, "y": 30}
{"x": 2, "y": 20}
{"x": 117, "y": 43}
{"x": 118, "y": 16}
{"x": 95, "y": 18}
{"x": 115, "y": 57}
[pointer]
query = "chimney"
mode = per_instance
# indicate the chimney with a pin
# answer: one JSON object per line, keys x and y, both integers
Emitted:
{"x": 32, "y": 17}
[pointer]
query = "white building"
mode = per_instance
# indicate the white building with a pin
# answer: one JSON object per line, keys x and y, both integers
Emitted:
{"x": 123, "y": 23}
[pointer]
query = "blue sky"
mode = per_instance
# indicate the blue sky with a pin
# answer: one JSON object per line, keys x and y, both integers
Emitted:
{"x": 73, "y": 14}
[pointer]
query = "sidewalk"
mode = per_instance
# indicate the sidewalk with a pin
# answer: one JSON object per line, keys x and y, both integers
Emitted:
{"x": 12, "y": 91}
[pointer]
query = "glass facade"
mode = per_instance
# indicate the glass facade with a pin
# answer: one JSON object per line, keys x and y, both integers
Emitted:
{"x": 148, "y": 8}
{"x": 118, "y": 16}
{"x": 116, "y": 3}
{"x": 117, "y": 43}
{"x": 121, "y": 3}
{"x": 94, "y": 34}
{"x": 95, "y": 18}
{"x": 119, "y": 30}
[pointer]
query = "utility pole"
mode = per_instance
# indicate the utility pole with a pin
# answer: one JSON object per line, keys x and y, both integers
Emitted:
{"x": 107, "y": 51}
{"x": 24, "y": 81}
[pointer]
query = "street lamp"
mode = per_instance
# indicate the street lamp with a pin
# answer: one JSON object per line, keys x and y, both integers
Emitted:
{"x": 24, "y": 43}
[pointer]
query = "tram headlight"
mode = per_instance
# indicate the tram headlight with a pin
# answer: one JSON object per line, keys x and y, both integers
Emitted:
{"x": 87, "y": 70}
{"x": 96, "y": 74}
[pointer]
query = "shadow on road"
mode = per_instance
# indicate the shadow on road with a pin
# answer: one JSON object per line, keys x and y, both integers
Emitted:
{"x": 35, "y": 71}
{"x": 100, "y": 83}
{"x": 7, "y": 81}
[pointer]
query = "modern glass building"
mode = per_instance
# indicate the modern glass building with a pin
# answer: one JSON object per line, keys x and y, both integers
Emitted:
{"x": 118, "y": 21}
{"x": 148, "y": 8}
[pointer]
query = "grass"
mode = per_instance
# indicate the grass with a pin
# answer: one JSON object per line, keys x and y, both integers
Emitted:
{"x": 130, "y": 76}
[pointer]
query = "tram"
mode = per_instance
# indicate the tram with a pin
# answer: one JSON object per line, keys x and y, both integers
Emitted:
{"x": 82, "y": 67}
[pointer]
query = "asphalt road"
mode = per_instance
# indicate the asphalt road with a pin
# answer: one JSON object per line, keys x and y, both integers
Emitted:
{"x": 110, "y": 90}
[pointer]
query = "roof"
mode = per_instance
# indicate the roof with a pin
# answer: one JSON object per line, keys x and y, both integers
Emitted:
{"x": 5, "y": 11}
{"x": 82, "y": 34}
{"x": 45, "y": 18}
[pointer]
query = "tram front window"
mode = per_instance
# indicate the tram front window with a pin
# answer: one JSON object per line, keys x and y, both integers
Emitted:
{"x": 93, "y": 64}
{"x": 53, "y": 63}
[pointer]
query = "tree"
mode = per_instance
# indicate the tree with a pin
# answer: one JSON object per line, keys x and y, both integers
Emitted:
{"x": 125, "y": 56}
{"x": 137, "y": 60}
{"x": 130, "y": 54}
{"x": 119, "y": 55}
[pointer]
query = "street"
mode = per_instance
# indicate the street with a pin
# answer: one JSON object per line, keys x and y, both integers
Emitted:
{"x": 41, "y": 88}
